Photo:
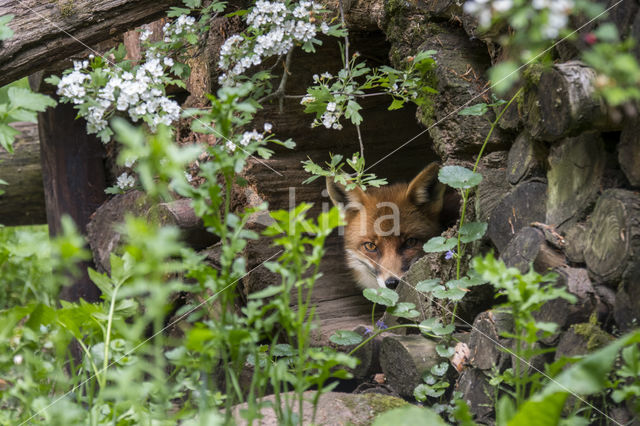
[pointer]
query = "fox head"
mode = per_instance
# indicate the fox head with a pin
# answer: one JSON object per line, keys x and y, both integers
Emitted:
{"x": 387, "y": 226}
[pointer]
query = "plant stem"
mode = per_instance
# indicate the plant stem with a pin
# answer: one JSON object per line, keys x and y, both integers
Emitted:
{"x": 465, "y": 194}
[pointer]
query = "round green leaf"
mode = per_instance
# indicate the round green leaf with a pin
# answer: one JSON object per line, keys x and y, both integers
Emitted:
{"x": 459, "y": 177}
{"x": 445, "y": 351}
{"x": 345, "y": 338}
{"x": 440, "y": 369}
{"x": 477, "y": 109}
{"x": 427, "y": 286}
{"x": 381, "y": 296}
{"x": 472, "y": 231}
{"x": 439, "y": 244}
{"x": 404, "y": 310}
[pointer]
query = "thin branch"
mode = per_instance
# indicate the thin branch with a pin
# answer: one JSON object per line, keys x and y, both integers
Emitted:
{"x": 279, "y": 93}
{"x": 362, "y": 95}
{"x": 360, "y": 140}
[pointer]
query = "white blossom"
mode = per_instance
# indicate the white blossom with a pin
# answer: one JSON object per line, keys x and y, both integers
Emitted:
{"x": 125, "y": 181}
{"x": 268, "y": 127}
{"x": 17, "y": 359}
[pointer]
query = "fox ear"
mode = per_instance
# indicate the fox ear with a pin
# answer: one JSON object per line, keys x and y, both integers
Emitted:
{"x": 425, "y": 189}
{"x": 340, "y": 196}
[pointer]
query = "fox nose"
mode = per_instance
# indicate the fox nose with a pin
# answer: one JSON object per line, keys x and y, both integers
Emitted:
{"x": 392, "y": 282}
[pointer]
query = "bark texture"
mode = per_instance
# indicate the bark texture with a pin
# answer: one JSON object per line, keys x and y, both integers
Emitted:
{"x": 47, "y": 32}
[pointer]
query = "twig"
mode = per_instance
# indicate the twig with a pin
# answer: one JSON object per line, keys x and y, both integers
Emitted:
{"x": 361, "y": 95}
{"x": 346, "y": 37}
{"x": 279, "y": 93}
{"x": 360, "y": 140}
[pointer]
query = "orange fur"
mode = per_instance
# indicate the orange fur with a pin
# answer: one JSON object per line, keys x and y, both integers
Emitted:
{"x": 397, "y": 219}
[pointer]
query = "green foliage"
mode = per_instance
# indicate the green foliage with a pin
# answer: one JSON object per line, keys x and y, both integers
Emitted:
{"x": 409, "y": 415}
{"x": 350, "y": 180}
{"x": 19, "y": 103}
{"x": 5, "y": 32}
{"x": 525, "y": 294}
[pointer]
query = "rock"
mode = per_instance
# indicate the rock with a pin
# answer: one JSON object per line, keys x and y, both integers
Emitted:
{"x": 334, "y": 409}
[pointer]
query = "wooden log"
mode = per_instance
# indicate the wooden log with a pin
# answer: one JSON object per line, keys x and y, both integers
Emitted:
{"x": 529, "y": 247}
{"x": 180, "y": 213}
{"x": 493, "y": 188}
{"x": 478, "y": 393}
{"x": 46, "y": 32}
{"x": 524, "y": 205}
{"x": 404, "y": 359}
{"x": 369, "y": 356}
{"x": 580, "y": 339}
{"x": 485, "y": 337}
{"x": 575, "y": 242}
{"x": 629, "y": 151}
{"x": 575, "y": 173}
{"x": 626, "y": 308}
{"x": 566, "y": 104}
{"x": 23, "y": 200}
{"x": 527, "y": 158}
{"x": 612, "y": 251}
{"x": 559, "y": 311}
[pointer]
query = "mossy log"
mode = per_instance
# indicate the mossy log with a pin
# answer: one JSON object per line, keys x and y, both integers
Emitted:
{"x": 524, "y": 205}
{"x": 179, "y": 213}
{"x": 612, "y": 250}
{"x": 404, "y": 359}
{"x": 565, "y": 103}
{"x": 23, "y": 200}
{"x": 576, "y": 167}
{"x": 629, "y": 151}
{"x": 49, "y": 31}
{"x": 526, "y": 159}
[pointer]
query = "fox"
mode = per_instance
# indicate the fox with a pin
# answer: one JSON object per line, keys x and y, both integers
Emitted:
{"x": 386, "y": 227}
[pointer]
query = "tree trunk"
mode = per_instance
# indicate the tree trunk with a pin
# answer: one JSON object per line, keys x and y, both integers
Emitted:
{"x": 23, "y": 200}
{"x": 46, "y": 32}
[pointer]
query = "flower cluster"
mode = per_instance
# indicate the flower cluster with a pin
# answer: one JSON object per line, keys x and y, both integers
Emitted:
{"x": 125, "y": 181}
{"x": 101, "y": 88}
{"x": 555, "y": 12}
{"x": 247, "y": 138}
{"x": 274, "y": 28}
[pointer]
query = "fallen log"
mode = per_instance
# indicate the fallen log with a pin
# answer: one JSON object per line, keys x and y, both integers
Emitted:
{"x": 526, "y": 159}
{"x": 485, "y": 338}
{"x": 530, "y": 247}
{"x": 23, "y": 200}
{"x": 47, "y": 32}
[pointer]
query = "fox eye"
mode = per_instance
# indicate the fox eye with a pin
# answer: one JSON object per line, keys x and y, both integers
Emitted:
{"x": 369, "y": 246}
{"x": 411, "y": 242}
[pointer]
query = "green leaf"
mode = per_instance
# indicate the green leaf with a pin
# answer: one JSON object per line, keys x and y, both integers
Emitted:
{"x": 427, "y": 286}
{"x": 381, "y": 296}
{"x": 440, "y": 369}
{"x": 444, "y": 350}
{"x": 433, "y": 325}
{"x": 25, "y": 98}
{"x": 345, "y": 338}
{"x": 5, "y": 31}
{"x": 477, "y": 109}
{"x": 272, "y": 290}
{"x": 503, "y": 76}
{"x": 7, "y": 136}
{"x": 283, "y": 349}
{"x": 472, "y": 231}
{"x": 459, "y": 177}
{"x": 607, "y": 32}
{"x": 396, "y": 104}
{"x": 409, "y": 415}
{"x": 404, "y": 310}
{"x": 439, "y": 244}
